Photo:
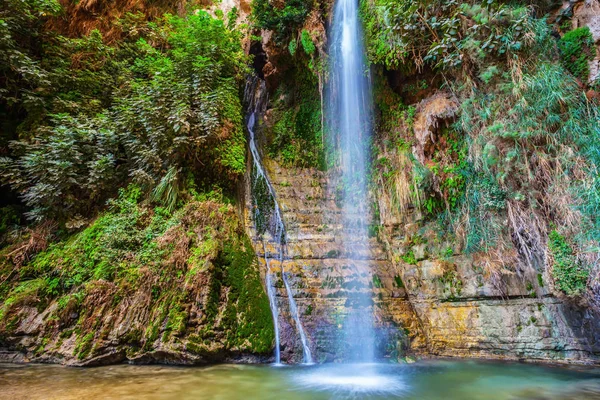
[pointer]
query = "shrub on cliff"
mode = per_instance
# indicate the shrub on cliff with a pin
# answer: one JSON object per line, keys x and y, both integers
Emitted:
{"x": 570, "y": 276}
{"x": 409, "y": 34}
{"x": 282, "y": 18}
{"x": 176, "y": 111}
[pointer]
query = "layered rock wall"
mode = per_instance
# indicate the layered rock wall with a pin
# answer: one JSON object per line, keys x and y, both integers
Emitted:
{"x": 429, "y": 298}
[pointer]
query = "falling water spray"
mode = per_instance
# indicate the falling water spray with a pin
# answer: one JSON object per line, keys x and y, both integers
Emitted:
{"x": 349, "y": 124}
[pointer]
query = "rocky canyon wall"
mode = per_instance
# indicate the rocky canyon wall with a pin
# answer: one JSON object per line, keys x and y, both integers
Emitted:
{"x": 429, "y": 298}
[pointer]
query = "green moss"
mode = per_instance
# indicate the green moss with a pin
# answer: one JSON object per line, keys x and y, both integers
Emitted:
{"x": 283, "y": 21}
{"x": 577, "y": 49}
{"x": 307, "y": 42}
{"x": 333, "y": 254}
{"x": 540, "y": 279}
{"x": 452, "y": 284}
{"x": 529, "y": 286}
{"x": 42, "y": 346}
{"x": 570, "y": 276}
{"x": 248, "y": 321}
{"x": 262, "y": 201}
{"x": 409, "y": 258}
{"x": 177, "y": 319}
{"x": 377, "y": 281}
{"x": 398, "y": 281}
{"x": 84, "y": 346}
{"x": 297, "y": 137}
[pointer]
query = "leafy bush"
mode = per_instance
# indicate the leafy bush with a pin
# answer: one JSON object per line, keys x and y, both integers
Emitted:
{"x": 577, "y": 48}
{"x": 180, "y": 112}
{"x": 282, "y": 21}
{"x": 67, "y": 169}
{"x": 307, "y": 42}
{"x": 443, "y": 34}
{"x": 21, "y": 35}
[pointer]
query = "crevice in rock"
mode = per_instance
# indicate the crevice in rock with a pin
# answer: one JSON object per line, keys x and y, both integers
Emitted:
{"x": 259, "y": 58}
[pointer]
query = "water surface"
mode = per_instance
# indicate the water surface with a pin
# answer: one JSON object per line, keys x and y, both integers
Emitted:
{"x": 423, "y": 380}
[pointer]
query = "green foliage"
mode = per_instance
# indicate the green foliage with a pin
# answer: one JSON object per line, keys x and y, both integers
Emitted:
{"x": 282, "y": 21}
{"x": 398, "y": 281}
{"x": 292, "y": 47}
{"x": 570, "y": 276}
{"x": 248, "y": 315}
{"x": 25, "y": 291}
{"x": 377, "y": 281}
{"x": 99, "y": 252}
{"x": 307, "y": 42}
{"x": 173, "y": 108}
{"x": 297, "y": 137}
{"x": 67, "y": 169}
{"x": 409, "y": 258}
{"x": 577, "y": 48}
{"x": 133, "y": 250}
{"x": 21, "y": 33}
{"x": 442, "y": 181}
{"x": 443, "y": 34}
{"x": 484, "y": 200}
{"x": 531, "y": 120}
{"x": 9, "y": 218}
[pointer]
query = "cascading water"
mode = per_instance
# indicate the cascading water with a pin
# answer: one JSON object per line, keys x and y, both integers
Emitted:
{"x": 349, "y": 121}
{"x": 270, "y": 219}
{"x": 349, "y": 125}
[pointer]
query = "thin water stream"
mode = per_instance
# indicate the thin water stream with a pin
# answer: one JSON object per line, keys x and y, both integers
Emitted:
{"x": 256, "y": 96}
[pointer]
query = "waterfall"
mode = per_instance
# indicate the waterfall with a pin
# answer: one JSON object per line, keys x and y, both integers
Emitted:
{"x": 349, "y": 124}
{"x": 273, "y": 305}
{"x": 256, "y": 98}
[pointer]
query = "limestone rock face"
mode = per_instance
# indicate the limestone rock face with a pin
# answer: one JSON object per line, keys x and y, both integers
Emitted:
{"x": 322, "y": 272}
{"x": 429, "y": 298}
{"x": 466, "y": 312}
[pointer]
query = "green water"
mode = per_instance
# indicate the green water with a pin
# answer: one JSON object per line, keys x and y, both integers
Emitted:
{"x": 422, "y": 380}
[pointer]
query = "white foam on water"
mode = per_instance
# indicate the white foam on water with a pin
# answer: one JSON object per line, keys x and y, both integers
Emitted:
{"x": 351, "y": 380}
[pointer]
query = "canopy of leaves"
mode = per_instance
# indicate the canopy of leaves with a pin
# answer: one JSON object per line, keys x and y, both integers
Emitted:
{"x": 149, "y": 110}
{"x": 283, "y": 21}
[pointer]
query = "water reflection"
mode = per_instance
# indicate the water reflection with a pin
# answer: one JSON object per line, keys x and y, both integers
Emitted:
{"x": 423, "y": 380}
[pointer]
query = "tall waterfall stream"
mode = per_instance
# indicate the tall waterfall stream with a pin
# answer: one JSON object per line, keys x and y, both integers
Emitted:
{"x": 349, "y": 126}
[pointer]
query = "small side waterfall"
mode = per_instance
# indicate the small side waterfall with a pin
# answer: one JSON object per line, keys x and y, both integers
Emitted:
{"x": 273, "y": 305}
{"x": 268, "y": 218}
{"x": 349, "y": 123}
